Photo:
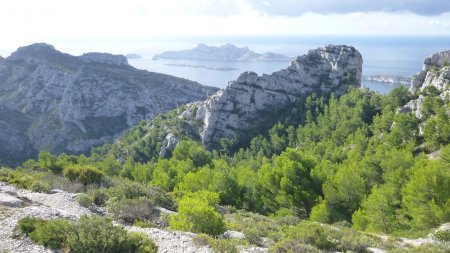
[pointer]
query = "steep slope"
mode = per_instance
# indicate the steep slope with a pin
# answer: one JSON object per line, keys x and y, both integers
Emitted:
{"x": 65, "y": 103}
{"x": 251, "y": 104}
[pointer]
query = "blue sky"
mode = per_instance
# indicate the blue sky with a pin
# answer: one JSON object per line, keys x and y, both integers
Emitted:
{"x": 26, "y": 21}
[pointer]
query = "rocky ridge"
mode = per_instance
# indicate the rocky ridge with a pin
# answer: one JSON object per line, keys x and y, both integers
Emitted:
{"x": 227, "y": 52}
{"x": 253, "y": 101}
{"x": 54, "y": 101}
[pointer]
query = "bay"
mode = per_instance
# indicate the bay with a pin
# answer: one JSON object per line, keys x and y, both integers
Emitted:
{"x": 382, "y": 55}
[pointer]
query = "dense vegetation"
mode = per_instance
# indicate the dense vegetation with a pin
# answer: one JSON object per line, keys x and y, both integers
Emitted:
{"x": 353, "y": 160}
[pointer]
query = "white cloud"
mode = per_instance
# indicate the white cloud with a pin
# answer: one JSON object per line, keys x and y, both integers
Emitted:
{"x": 27, "y": 21}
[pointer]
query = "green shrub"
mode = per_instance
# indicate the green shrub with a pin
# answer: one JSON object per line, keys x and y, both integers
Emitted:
{"x": 4, "y": 174}
{"x": 265, "y": 226}
{"x": 197, "y": 216}
{"x": 218, "y": 245}
{"x": 314, "y": 234}
{"x": 91, "y": 234}
{"x": 99, "y": 196}
{"x": 225, "y": 246}
{"x": 442, "y": 235}
{"x": 28, "y": 224}
{"x": 52, "y": 233}
{"x": 84, "y": 174}
{"x": 84, "y": 200}
{"x": 40, "y": 186}
{"x": 130, "y": 210}
{"x": 144, "y": 224}
{"x": 292, "y": 245}
{"x": 140, "y": 243}
{"x": 124, "y": 188}
{"x": 253, "y": 236}
{"x": 202, "y": 240}
{"x": 97, "y": 234}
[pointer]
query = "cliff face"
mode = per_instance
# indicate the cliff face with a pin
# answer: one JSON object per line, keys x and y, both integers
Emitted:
{"x": 435, "y": 73}
{"x": 58, "y": 102}
{"x": 252, "y": 102}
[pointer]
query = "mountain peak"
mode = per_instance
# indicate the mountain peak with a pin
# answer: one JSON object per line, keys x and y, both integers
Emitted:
{"x": 37, "y": 53}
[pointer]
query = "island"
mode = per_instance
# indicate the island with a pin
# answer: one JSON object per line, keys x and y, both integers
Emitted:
{"x": 210, "y": 67}
{"x": 133, "y": 56}
{"x": 227, "y": 52}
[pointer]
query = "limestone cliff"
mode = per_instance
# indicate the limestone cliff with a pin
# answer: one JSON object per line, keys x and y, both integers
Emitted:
{"x": 435, "y": 73}
{"x": 253, "y": 103}
{"x": 251, "y": 100}
{"x": 55, "y": 101}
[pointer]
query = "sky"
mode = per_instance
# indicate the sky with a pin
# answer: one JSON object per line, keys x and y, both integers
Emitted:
{"x": 89, "y": 22}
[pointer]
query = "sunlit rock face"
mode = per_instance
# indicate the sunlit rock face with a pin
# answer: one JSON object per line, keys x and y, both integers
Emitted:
{"x": 251, "y": 100}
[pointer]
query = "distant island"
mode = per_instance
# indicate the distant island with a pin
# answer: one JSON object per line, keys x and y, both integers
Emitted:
{"x": 133, "y": 56}
{"x": 211, "y": 67}
{"x": 227, "y": 52}
{"x": 391, "y": 79}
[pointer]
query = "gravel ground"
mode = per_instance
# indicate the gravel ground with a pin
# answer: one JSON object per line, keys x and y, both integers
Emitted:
{"x": 47, "y": 206}
{"x": 172, "y": 241}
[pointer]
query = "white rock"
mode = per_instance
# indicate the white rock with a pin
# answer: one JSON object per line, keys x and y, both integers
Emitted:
{"x": 170, "y": 142}
{"x": 230, "y": 234}
{"x": 9, "y": 201}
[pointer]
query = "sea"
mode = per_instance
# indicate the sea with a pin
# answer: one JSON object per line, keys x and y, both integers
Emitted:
{"x": 382, "y": 55}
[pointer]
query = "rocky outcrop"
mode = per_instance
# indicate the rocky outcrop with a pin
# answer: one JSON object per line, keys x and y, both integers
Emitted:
{"x": 227, "y": 52}
{"x": 7, "y": 200}
{"x": 169, "y": 144}
{"x": 62, "y": 103}
{"x": 428, "y": 76}
{"x": 435, "y": 73}
{"x": 252, "y": 101}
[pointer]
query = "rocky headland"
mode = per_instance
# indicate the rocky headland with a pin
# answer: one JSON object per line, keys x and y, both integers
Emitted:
{"x": 227, "y": 52}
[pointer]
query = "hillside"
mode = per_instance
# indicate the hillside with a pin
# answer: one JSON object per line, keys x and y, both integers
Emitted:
{"x": 252, "y": 104}
{"x": 62, "y": 103}
{"x": 336, "y": 169}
